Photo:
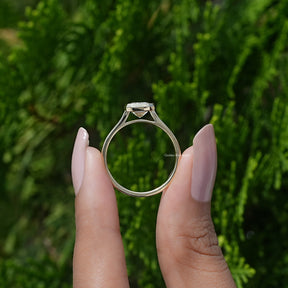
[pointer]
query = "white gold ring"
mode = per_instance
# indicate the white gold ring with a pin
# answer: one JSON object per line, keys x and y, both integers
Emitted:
{"x": 139, "y": 109}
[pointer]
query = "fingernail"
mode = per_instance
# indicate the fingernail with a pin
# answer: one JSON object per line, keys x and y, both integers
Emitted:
{"x": 78, "y": 158}
{"x": 204, "y": 164}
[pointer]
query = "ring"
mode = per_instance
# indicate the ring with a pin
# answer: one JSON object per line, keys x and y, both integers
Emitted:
{"x": 139, "y": 109}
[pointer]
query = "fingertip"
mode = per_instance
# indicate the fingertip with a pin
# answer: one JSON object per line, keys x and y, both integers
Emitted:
{"x": 188, "y": 152}
{"x": 182, "y": 175}
{"x": 95, "y": 176}
{"x": 93, "y": 161}
{"x": 93, "y": 152}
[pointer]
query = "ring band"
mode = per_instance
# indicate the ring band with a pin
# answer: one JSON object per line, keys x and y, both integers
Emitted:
{"x": 139, "y": 109}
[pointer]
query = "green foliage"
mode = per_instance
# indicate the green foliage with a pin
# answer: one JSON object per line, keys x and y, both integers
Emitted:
{"x": 31, "y": 274}
{"x": 199, "y": 62}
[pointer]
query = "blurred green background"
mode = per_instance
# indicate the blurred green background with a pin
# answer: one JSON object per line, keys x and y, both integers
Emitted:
{"x": 66, "y": 64}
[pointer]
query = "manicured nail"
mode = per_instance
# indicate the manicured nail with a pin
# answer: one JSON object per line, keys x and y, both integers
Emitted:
{"x": 78, "y": 158}
{"x": 204, "y": 164}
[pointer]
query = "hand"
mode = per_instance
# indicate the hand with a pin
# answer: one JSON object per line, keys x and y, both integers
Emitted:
{"x": 187, "y": 246}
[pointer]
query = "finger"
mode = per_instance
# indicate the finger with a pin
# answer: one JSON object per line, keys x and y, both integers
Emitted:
{"x": 99, "y": 259}
{"x": 187, "y": 245}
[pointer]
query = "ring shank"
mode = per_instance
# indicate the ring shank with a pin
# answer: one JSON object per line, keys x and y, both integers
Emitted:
{"x": 157, "y": 122}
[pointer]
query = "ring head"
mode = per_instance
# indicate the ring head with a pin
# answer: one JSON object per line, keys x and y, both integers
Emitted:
{"x": 139, "y": 109}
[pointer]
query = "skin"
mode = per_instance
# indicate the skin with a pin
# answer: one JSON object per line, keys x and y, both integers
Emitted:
{"x": 187, "y": 246}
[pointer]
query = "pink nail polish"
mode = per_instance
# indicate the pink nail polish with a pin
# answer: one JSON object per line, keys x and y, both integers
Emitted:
{"x": 78, "y": 158}
{"x": 204, "y": 164}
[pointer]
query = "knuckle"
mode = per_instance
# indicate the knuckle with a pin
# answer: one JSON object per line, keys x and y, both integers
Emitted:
{"x": 196, "y": 245}
{"x": 202, "y": 239}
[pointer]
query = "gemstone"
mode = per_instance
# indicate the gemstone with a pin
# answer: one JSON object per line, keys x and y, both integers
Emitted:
{"x": 139, "y": 114}
{"x": 139, "y": 109}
